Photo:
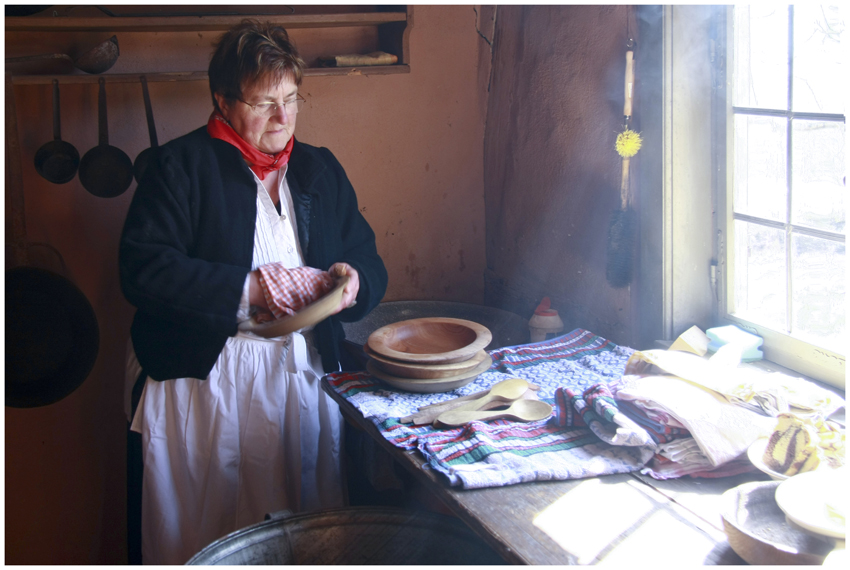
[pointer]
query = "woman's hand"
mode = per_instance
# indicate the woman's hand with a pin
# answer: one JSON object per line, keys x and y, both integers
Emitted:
{"x": 349, "y": 293}
{"x": 257, "y": 299}
{"x": 255, "y": 291}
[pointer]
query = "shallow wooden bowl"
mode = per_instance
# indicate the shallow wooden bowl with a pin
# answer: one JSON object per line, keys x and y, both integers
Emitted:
{"x": 424, "y": 371}
{"x": 431, "y": 340}
{"x": 423, "y": 386}
{"x": 308, "y": 316}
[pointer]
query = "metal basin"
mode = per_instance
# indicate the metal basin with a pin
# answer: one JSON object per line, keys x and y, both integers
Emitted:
{"x": 361, "y": 536}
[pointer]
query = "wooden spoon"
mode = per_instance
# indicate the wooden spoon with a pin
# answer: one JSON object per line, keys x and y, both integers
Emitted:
{"x": 506, "y": 391}
{"x": 521, "y": 410}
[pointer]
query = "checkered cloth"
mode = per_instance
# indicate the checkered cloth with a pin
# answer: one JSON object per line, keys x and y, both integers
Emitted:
{"x": 288, "y": 290}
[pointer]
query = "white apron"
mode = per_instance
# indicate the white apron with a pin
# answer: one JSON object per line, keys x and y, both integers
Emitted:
{"x": 257, "y": 436}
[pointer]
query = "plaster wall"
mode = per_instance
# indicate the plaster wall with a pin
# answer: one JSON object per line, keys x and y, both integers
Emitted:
{"x": 411, "y": 145}
{"x": 551, "y": 174}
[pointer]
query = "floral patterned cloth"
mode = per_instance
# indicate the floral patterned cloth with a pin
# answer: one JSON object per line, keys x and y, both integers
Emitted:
{"x": 503, "y": 452}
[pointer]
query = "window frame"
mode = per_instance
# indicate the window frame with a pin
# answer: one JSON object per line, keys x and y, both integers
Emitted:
{"x": 683, "y": 273}
{"x": 779, "y": 347}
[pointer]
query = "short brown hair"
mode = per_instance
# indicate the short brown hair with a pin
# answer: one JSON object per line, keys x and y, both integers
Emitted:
{"x": 251, "y": 52}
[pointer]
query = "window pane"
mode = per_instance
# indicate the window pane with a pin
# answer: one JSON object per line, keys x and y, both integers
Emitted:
{"x": 818, "y": 71}
{"x": 817, "y": 180}
{"x": 761, "y": 57}
{"x": 818, "y": 285}
{"x": 760, "y": 291}
{"x": 760, "y": 174}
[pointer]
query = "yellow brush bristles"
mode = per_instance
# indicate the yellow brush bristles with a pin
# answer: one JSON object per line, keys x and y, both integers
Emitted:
{"x": 628, "y": 143}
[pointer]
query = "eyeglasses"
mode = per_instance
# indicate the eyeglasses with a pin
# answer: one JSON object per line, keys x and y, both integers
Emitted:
{"x": 269, "y": 108}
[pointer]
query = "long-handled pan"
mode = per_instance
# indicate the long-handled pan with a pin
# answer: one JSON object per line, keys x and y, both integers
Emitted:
{"x": 57, "y": 161}
{"x": 105, "y": 171}
{"x": 52, "y": 335}
{"x": 144, "y": 157}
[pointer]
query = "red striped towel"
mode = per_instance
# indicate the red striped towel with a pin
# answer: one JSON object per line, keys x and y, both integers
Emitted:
{"x": 288, "y": 290}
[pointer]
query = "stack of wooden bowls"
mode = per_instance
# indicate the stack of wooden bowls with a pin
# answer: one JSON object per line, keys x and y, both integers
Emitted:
{"x": 433, "y": 354}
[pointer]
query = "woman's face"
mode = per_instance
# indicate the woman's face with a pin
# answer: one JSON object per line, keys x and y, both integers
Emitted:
{"x": 268, "y": 134}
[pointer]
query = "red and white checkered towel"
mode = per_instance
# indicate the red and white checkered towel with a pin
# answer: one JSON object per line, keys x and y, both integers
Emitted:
{"x": 288, "y": 290}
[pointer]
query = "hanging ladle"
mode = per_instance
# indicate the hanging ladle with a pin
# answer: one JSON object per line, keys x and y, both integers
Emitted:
{"x": 144, "y": 158}
{"x": 95, "y": 60}
{"x": 57, "y": 161}
{"x": 105, "y": 171}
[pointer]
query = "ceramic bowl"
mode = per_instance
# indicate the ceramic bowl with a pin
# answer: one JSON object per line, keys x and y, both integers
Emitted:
{"x": 755, "y": 453}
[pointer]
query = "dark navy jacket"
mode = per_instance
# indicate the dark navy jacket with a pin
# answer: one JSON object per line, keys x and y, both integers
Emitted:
{"x": 188, "y": 240}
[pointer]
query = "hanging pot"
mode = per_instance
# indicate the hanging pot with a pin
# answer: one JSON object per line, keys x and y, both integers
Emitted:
{"x": 105, "y": 171}
{"x": 57, "y": 161}
{"x": 144, "y": 157}
{"x": 52, "y": 335}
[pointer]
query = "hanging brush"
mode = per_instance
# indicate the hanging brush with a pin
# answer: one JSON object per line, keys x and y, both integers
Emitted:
{"x": 623, "y": 227}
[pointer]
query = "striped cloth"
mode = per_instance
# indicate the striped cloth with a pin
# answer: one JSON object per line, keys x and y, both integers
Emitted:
{"x": 288, "y": 290}
{"x": 660, "y": 431}
{"x": 596, "y": 409}
{"x": 503, "y": 452}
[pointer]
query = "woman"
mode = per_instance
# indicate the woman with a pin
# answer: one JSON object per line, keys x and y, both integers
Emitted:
{"x": 234, "y": 426}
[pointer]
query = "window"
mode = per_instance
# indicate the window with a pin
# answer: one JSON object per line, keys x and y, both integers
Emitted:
{"x": 782, "y": 244}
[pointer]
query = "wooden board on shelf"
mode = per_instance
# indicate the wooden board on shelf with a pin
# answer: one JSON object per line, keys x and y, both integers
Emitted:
{"x": 194, "y": 23}
{"x": 195, "y": 75}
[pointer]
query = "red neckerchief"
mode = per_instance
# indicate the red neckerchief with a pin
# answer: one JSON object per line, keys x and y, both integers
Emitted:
{"x": 260, "y": 162}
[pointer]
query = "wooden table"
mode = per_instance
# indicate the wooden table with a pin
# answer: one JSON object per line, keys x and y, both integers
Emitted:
{"x": 614, "y": 519}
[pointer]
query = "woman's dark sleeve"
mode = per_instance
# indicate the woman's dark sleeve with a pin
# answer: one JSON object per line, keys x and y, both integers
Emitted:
{"x": 166, "y": 269}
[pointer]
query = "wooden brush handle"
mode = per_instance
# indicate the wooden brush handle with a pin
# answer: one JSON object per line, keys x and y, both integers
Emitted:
{"x": 630, "y": 84}
{"x": 624, "y": 185}
{"x": 627, "y": 115}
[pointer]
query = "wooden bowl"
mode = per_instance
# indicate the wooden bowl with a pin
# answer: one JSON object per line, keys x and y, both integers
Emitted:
{"x": 431, "y": 340}
{"x": 308, "y": 316}
{"x": 429, "y": 386}
{"x": 759, "y": 533}
{"x": 424, "y": 371}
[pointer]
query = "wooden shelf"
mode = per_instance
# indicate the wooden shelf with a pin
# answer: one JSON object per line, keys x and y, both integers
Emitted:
{"x": 392, "y": 24}
{"x": 196, "y": 75}
{"x": 193, "y": 23}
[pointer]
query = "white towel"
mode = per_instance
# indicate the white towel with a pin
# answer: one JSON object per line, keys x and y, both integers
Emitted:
{"x": 722, "y": 430}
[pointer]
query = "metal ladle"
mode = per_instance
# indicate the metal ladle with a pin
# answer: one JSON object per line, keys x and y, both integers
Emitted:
{"x": 95, "y": 60}
{"x": 57, "y": 161}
